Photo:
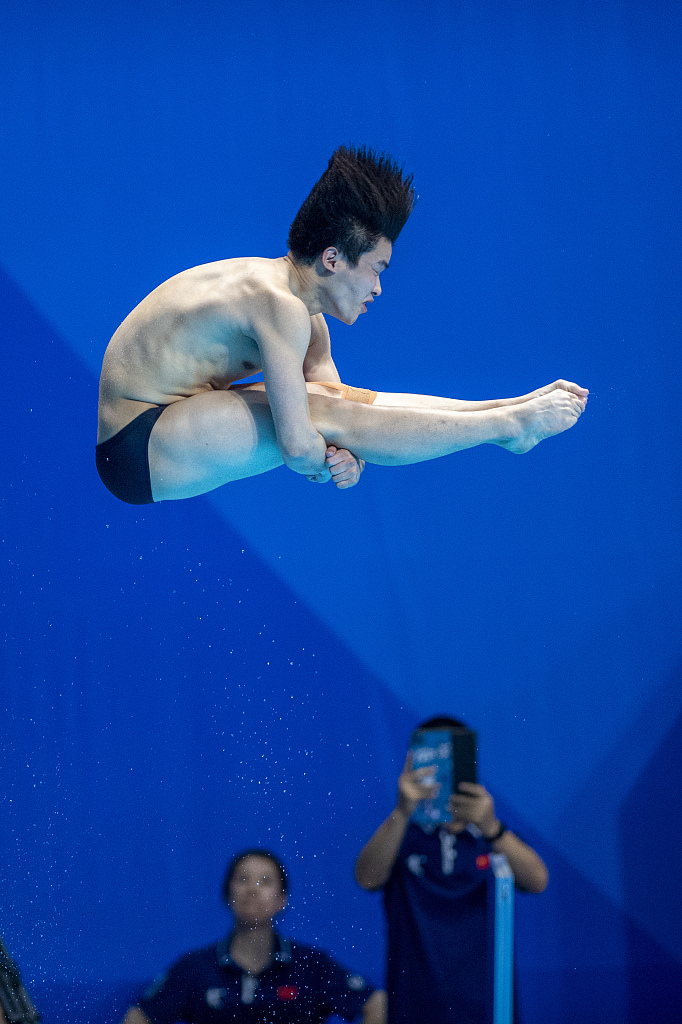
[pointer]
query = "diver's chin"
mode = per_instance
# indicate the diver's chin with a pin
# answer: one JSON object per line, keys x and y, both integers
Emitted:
{"x": 344, "y": 315}
{"x": 346, "y": 318}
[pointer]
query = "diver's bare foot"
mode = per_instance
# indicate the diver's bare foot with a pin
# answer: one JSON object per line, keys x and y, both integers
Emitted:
{"x": 541, "y": 417}
{"x": 562, "y": 385}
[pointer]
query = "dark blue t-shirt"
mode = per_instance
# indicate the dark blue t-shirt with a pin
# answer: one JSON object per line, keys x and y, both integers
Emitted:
{"x": 302, "y": 984}
{"x": 436, "y": 910}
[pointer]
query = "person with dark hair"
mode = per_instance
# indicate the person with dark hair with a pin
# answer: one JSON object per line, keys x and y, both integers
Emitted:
{"x": 255, "y": 975}
{"x": 435, "y": 895}
{"x": 238, "y": 862}
{"x": 174, "y": 423}
{"x": 359, "y": 200}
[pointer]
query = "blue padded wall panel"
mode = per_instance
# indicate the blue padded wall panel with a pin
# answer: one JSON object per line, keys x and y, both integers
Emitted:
{"x": 166, "y": 701}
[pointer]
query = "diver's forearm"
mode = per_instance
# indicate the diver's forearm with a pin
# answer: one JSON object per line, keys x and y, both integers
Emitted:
{"x": 306, "y": 456}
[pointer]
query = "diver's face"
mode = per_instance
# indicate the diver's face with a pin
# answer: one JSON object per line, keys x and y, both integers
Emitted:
{"x": 256, "y": 891}
{"x": 351, "y": 289}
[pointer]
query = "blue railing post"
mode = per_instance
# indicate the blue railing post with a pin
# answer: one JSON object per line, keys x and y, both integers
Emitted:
{"x": 503, "y": 939}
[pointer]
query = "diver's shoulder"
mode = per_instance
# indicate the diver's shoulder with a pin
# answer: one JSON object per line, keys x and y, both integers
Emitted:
{"x": 248, "y": 290}
{"x": 227, "y": 271}
{"x": 267, "y": 285}
{"x": 249, "y": 275}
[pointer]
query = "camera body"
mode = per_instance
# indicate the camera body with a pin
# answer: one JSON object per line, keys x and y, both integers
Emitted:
{"x": 452, "y": 752}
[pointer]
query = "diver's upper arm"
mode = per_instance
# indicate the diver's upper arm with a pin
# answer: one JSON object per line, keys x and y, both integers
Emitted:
{"x": 318, "y": 363}
{"x": 282, "y": 332}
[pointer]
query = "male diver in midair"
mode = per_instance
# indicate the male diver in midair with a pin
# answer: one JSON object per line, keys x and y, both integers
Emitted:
{"x": 172, "y": 421}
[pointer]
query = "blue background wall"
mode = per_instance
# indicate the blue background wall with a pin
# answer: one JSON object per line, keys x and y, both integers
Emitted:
{"x": 183, "y": 680}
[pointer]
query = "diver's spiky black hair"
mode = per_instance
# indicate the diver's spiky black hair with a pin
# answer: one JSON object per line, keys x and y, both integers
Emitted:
{"x": 361, "y": 197}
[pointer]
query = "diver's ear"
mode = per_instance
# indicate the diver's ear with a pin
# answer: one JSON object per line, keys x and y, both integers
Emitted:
{"x": 330, "y": 259}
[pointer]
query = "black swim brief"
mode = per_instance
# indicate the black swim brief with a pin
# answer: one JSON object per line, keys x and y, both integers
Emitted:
{"x": 123, "y": 460}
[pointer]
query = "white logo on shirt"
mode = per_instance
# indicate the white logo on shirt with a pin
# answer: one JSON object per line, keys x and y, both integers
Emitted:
{"x": 215, "y": 997}
{"x": 448, "y": 852}
{"x": 415, "y": 863}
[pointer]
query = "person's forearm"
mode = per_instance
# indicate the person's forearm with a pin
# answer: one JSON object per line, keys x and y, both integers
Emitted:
{"x": 530, "y": 872}
{"x": 377, "y": 857}
{"x": 375, "y": 1009}
{"x": 135, "y": 1016}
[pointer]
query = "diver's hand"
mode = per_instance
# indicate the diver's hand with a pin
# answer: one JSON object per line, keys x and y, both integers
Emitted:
{"x": 344, "y": 467}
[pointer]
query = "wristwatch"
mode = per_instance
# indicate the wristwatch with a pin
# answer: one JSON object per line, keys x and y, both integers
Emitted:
{"x": 498, "y": 835}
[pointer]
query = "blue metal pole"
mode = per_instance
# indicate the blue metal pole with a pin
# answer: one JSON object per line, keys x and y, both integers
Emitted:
{"x": 503, "y": 1002}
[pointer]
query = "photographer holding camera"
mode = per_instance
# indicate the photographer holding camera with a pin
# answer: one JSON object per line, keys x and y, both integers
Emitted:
{"x": 435, "y": 895}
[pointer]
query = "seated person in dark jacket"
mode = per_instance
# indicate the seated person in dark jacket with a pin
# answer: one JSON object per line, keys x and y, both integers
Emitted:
{"x": 255, "y": 975}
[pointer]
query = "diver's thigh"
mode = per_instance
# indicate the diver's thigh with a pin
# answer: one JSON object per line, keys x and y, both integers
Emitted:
{"x": 202, "y": 442}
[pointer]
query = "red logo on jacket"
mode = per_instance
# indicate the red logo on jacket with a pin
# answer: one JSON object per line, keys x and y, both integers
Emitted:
{"x": 287, "y": 992}
{"x": 483, "y": 862}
